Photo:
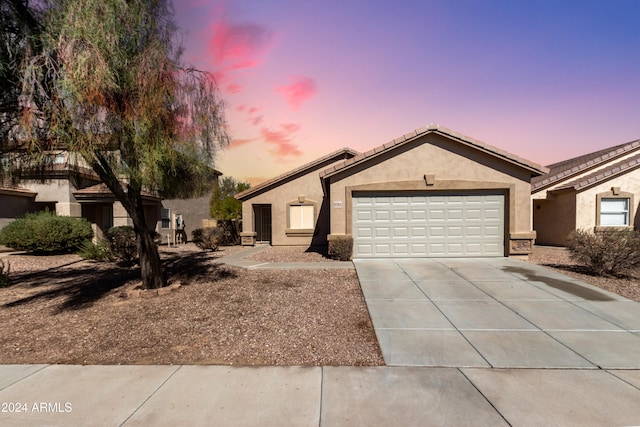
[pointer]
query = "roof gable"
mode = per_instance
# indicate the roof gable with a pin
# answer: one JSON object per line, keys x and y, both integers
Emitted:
{"x": 344, "y": 153}
{"x": 533, "y": 168}
{"x": 565, "y": 170}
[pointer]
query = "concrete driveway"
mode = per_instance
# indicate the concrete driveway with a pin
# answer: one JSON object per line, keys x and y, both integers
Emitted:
{"x": 498, "y": 313}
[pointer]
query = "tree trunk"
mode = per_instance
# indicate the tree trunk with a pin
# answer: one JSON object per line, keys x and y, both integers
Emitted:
{"x": 150, "y": 265}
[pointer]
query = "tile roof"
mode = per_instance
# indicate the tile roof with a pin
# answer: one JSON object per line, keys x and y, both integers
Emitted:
{"x": 564, "y": 170}
{"x": 601, "y": 175}
{"x": 343, "y": 153}
{"x": 535, "y": 168}
{"x": 16, "y": 191}
{"x": 102, "y": 191}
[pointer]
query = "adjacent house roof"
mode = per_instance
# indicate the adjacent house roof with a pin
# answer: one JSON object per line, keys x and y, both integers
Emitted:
{"x": 101, "y": 191}
{"x": 566, "y": 169}
{"x": 344, "y": 153}
{"x": 534, "y": 168}
{"x": 613, "y": 170}
{"x": 16, "y": 191}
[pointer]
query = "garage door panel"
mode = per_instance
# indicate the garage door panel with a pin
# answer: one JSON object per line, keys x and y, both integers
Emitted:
{"x": 428, "y": 225}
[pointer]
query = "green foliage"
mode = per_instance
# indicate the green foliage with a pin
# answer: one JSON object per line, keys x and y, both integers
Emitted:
{"x": 341, "y": 248}
{"x": 614, "y": 252}
{"x": 223, "y": 204}
{"x": 208, "y": 238}
{"x": 45, "y": 232}
{"x": 122, "y": 244}
{"x": 96, "y": 251}
{"x": 4, "y": 277}
{"x": 104, "y": 80}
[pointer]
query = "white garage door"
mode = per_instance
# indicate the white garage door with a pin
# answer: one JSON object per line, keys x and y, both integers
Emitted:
{"x": 418, "y": 225}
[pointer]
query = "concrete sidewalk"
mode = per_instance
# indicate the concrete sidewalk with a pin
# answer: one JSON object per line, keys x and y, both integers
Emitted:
{"x": 63, "y": 395}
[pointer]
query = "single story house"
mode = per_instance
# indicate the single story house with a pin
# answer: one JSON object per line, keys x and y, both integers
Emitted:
{"x": 593, "y": 192}
{"x": 430, "y": 193}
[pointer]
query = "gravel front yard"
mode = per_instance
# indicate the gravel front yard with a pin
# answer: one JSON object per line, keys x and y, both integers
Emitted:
{"x": 63, "y": 309}
{"x": 559, "y": 259}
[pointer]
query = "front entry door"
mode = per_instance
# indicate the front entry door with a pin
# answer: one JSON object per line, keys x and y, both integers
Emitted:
{"x": 262, "y": 226}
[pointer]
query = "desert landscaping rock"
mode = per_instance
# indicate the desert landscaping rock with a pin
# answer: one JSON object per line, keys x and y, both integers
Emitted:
{"x": 62, "y": 309}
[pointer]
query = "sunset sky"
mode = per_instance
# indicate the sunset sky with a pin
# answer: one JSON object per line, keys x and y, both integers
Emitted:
{"x": 545, "y": 80}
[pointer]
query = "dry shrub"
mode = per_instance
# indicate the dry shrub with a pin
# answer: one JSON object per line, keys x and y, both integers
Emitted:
{"x": 614, "y": 252}
{"x": 341, "y": 248}
{"x": 208, "y": 237}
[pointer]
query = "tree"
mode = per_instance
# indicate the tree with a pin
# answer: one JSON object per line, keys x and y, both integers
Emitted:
{"x": 18, "y": 39}
{"x": 105, "y": 81}
{"x": 223, "y": 206}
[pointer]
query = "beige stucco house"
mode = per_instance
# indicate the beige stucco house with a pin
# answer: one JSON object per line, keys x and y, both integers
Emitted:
{"x": 430, "y": 193}
{"x": 72, "y": 190}
{"x": 590, "y": 192}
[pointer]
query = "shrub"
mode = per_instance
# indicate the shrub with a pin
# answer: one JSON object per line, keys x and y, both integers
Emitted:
{"x": 45, "y": 232}
{"x": 96, "y": 251}
{"x": 4, "y": 278}
{"x": 231, "y": 231}
{"x": 208, "y": 237}
{"x": 341, "y": 248}
{"x": 122, "y": 244}
{"x": 614, "y": 252}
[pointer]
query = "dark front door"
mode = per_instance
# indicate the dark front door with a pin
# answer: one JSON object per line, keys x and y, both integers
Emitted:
{"x": 262, "y": 226}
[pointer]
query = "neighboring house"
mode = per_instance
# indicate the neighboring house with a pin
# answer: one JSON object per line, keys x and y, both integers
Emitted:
{"x": 15, "y": 202}
{"x": 195, "y": 213}
{"x": 592, "y": 192}
{"x": 76, "y": 191}
{"x": 430, "y": 193}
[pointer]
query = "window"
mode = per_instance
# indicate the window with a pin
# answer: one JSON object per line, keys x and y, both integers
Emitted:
{"x": 301, "y": 217}
{"x": 614, "y": 212}
{"x": 166, "y": 218}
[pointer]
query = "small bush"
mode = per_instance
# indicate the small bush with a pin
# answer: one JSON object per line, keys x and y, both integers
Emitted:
{"x": 122, "y": 244}
{"x": 208, "y": 238}
{"x": 96, "y": 251}
{"x": 614, "y": 252}
{"x": 341, "y": 248}
{"x": 231, "y": 231}
{"x": 45, "y": 232}
{"x": 4, "y": 278}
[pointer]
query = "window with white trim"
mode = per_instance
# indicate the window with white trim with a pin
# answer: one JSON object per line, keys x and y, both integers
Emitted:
{"x": 614, "y": 212}
{"x": 301, "y": 217}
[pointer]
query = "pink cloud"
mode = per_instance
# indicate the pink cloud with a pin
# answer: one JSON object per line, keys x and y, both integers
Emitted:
{"x": 236, "y": 46}
{"x": 256, "y": 120}
{"x": 240, "y": 141}
{"x": 281, "y": 139}
{"x": 234, "y": 88}
{"x": 241, "y": 107}
{"x": 300, "y": 90}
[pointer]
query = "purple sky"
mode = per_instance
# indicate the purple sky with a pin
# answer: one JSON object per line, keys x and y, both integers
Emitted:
{"x": 545, "y": 80}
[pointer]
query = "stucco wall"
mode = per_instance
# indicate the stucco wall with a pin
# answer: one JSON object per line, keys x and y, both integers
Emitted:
{"x": 586, "y": 200}
{"x": 453, "y": 166}
{"x": 59, "y": 191}
{"x": 565, "y": 211}
{"x": 305, "y": 185}
{"x": 14, "y": 206}
{"x": 554, "y": 218}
